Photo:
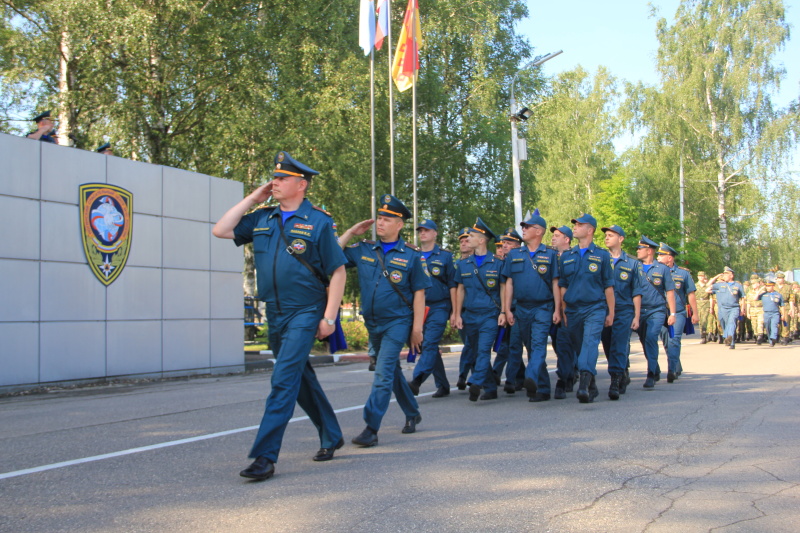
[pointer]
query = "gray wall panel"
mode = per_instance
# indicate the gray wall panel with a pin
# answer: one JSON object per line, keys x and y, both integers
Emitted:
{"x": 64, "y": 169}
{"x": 186, "y": 244}
{"x": 71, "y": 292}
{"x": 19, "y": 218}
{"x": 186, "y": 344}
{"x": 19, "y": 287}
{"x": 21, "y": 166}
{"x": 186, "y": 194}
{"x": 226, "y": 295}
{"x": 19, "y": 353}
{"x": 186, "y": 294}
{"x": 223, "y": 351}
{"x": 133, "y": 347}
{"x": 61, "y": 233}
{"x": 146, "y": 238}
{"x": 142, "y": 179}
{"x": 72, "y": 350}
{"x": 135, "y": 295}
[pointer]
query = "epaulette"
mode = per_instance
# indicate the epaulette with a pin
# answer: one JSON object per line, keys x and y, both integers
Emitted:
{"x": 266, "y": 208}
{"x": 320, "y": 209}
{"x": 684, "y": 268}
{"x": 551, "y": 247}
{"x": 446, "y": 250}
{"x": 413, "y": 247}
{"x": 367, "y": 241}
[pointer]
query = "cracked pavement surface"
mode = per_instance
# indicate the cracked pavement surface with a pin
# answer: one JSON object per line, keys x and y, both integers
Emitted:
{"x": 715, "y": 451}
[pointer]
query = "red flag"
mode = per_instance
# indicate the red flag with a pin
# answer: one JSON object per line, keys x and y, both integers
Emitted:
{"x": 406, "y": 58}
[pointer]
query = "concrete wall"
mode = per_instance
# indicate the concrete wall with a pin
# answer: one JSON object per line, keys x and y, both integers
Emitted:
{"x": 176, "y": 306}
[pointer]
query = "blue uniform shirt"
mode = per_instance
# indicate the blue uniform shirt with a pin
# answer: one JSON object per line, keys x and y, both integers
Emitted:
{"x": 471, "y": 276}
{"x": 585, "y": 276}
{"x": 656, "y": 281}
{"x": 532, "y": 276}
{"x": 406, "y": 271}
{"x": 627, "y": 280}
{"x": 728, "y": 294}
{"x": 282, "y": 281}
{"x": 683, "y": 286}
{"x": 442, "y": 269}
{"x": 772, "y": 302}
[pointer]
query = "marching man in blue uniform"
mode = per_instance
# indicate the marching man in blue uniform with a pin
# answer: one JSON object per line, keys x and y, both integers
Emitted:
{"x": 587, "y": 290}
{"x": 658, "y": 296}
{"x": 466, "y": 362}
{"x": 301, "y": 277}
{"x": 627, "y": 310}
{"x": 773, "y": 306}
{"x": 479, "y": 293}
{"x": 439, "y": 299}
{"x": 531, "y": 276}
{"x": 561, "y": 242}
{"x": 730, "y": 303}
{"x": 510, "y": 240}
{"x": 393, "y": 280}
{"x": 684, "y": 294}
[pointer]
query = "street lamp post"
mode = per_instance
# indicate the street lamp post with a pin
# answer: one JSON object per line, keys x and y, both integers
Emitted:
{"x": 515, "y": 117}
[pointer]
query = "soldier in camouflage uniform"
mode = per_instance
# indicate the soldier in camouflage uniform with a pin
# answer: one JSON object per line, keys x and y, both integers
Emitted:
{"x": 704, "y": 307}
{"x": 786, "y": 291}
{"x": 754, "y": 309}
{"x": 794, "y": 320}
{"x": 743, "y": 328}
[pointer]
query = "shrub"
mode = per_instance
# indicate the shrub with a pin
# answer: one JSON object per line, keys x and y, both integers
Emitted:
{"x": 356, "y": 334}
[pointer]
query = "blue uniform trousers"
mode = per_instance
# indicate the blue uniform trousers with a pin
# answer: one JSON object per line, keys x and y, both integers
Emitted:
{"x": 481, "y": 334}
{"x": 388, "y": 339}
{"x": 430, "y": 360}
{"x": 466, "y": 362}
{"x": 291, "y": 337}
{"x": 585, "y": 325}
{"x": 728, "y": 320}
{"x": 673, "y": 346}
{"x": 650, "y": 324}
{"x": 565, "y": 355}
{"x": 501, "y": 359}
{"x": 618, "y": 337}
{"x": 531, "y": 329}
{"x": 771, "y": 322}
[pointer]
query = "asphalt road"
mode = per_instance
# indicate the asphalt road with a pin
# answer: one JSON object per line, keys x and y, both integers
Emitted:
{"x": 716, "y": 450}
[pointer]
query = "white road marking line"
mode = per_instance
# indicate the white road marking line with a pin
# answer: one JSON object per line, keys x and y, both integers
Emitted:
{"x": 94, "y": 458}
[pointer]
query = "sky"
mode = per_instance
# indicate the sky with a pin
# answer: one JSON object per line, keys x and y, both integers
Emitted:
{"x": 621, "y": 36}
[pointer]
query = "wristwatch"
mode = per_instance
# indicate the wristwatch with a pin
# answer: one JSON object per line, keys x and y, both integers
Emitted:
{"x": 330, "y": 322}
{"x": 672, "y": 314}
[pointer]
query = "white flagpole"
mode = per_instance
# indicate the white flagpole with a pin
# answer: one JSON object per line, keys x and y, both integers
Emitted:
{"x": 372, "y": 130}
{"x": 414, "y": 147}
{"x": 391, "y": 95}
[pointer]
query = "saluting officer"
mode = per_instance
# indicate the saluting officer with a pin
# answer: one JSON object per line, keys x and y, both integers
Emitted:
{"x": 478, "y": 292}
{"x": 439, "y": 299}
{"x": 730, "y": 301}
{"x": 531, "y": 286}
{"x": 627, "y": 310}
{"x": 45, "y": 129}
{"x": 105, "y": 149}
{"x": 565, "y": 355}
{"x": 296, "y": 252}
{"x": 658, "y": 294}
{"x": 684, "y": 294}
{"x": 587, "y": 289}
{"x": 466, "y": 363}
{"x": 393, "y": 280}
{"x": 773, "y": 306}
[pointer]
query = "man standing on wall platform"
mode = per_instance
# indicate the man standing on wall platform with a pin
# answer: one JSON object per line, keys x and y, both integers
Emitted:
{"x": 296, "y": 252}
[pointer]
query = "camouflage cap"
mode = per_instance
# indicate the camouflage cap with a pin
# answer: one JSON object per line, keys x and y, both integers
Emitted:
{"x": 701, "y": 273}
{"x": 780, "y": 275}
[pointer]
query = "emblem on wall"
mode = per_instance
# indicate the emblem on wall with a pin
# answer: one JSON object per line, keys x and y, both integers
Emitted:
{"x": 106, "y": 221}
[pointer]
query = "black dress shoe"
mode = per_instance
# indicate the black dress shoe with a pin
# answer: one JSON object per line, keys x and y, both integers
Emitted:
{"x": 474, "y": 392}
{"x": 372, "y": 361}
{"x": 670, "y": 377}
{"x": 414, "y": 386}
{"x": 560, "y": 392}
{"x": 441, "y": 392}
{"x": 613, "y": 389}
{"x": 326, "y": 454}
{"x": 411, "y": 424}
{"x": 261, "y": 469}
{"x": 462, "y": 383}
{"x": 530, "y": 387}
{"x": 366, "y": 438}
{"x": 540, "y": 397}
{"x": 490, "y": 395}
{"x": 650, "y": 382}
{"x": 509, "y": 388}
